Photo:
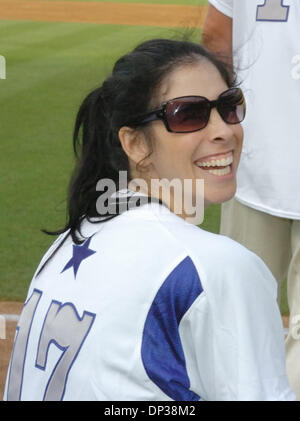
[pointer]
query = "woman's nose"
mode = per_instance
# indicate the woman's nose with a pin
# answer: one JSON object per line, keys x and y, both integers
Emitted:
{"x": 218, "y": 128}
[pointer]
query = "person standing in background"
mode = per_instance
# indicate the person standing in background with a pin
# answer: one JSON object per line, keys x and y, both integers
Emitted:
{"x": 261, "y": 39}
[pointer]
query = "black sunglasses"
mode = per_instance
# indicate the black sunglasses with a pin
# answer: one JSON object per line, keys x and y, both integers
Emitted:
{"x": 188, "y": 114}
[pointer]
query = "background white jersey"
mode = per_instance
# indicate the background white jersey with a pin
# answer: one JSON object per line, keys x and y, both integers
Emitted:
{"x": 266, "y": 43}
{"x": 149, "y": 308}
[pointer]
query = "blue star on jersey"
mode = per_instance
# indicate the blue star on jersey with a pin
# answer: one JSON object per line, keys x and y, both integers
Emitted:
{"x": 80, "y": 253}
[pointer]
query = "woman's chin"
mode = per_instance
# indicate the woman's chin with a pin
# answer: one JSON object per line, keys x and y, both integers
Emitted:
{"x": 218, "y": 198}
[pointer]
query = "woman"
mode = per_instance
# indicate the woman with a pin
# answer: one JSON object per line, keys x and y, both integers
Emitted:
{"x": 136, "y": 303}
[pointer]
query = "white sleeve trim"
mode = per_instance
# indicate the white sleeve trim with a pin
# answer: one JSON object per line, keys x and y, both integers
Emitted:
{"x": 223, "y": 6}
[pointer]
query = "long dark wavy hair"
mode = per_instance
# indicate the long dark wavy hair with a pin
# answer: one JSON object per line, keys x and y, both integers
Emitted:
{"x": 126, "y": 93}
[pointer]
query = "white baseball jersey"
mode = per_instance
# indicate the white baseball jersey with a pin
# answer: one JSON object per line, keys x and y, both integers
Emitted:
{"x": 266, "y": 48}
{"x": 149, "y": 308}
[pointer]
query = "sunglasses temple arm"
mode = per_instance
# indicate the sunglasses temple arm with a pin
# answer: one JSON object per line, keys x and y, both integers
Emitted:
{"x": 146, "y": 118}
{"x": 154, "y": 115}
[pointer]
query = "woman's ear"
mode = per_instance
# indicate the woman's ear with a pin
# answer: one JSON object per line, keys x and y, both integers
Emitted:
{"x": 134, "y": 144}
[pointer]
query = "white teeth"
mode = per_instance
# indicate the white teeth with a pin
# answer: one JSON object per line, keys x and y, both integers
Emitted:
{"x": 216, "y": 162}
{"x": 223, "y": 171}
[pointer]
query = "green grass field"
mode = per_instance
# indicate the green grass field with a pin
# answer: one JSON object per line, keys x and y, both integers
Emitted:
{"x": 50, "y": 68}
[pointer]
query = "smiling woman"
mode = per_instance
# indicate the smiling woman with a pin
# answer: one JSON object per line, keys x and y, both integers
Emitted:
{"x": 136, "y": 303}
{"x": 204, "y": 132}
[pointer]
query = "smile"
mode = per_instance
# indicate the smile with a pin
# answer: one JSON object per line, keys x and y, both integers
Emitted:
{"x": 216, "y": 165}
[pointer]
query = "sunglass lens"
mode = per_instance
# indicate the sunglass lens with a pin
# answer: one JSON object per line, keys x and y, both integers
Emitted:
{"x": 187, "y": 114}
{"x": 232, "y": 106}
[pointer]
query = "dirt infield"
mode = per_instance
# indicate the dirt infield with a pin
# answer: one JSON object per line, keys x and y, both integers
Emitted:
{"x": 107, "y": 13}
{"x": 5, "y": 352}
{"x": 6, "y": 344}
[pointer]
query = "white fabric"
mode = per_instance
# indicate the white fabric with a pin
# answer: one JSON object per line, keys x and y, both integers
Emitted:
{"x": 224, "y": 6}
{"x": 231, "y": 333}
{"x": 267, "y": 57}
